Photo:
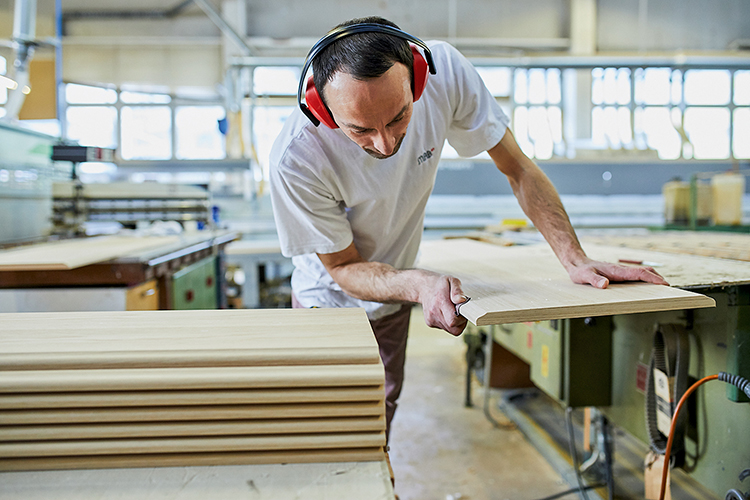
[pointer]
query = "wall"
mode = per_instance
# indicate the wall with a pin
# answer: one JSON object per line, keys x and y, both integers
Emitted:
{"x": 575, "y": 178}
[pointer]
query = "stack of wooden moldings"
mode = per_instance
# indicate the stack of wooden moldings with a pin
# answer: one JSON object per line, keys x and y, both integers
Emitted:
{"x": 180, "y": 388}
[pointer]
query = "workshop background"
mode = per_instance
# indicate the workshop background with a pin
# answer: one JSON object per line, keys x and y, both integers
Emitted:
{"x": 155, "y": 118}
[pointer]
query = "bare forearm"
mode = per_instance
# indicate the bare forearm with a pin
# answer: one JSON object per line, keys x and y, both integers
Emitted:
{"x": 540, "y": 201}
{"x": 378, "y": 282}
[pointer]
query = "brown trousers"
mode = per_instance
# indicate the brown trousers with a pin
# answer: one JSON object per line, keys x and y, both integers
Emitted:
{"x": 391, "y": 333}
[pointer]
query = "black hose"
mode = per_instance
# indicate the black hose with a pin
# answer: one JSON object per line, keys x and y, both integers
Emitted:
{"x": 573, "y": 454}
{"x": 741, "y": 383}
{"x": 573, "y": 490}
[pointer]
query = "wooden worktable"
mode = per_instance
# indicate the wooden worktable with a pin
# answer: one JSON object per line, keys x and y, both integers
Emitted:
{"x": 314, "y": 481}
{"x": 105, "y": 261}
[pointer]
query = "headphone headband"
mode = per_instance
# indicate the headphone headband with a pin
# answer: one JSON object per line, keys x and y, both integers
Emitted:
{"x": 353, "y": 29}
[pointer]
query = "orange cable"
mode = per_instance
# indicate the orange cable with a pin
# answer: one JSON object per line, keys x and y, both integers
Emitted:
{"x": 668, "y": 450}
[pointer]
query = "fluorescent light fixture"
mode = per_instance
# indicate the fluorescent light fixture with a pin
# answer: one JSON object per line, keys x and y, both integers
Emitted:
{"x": 8, "y": 82}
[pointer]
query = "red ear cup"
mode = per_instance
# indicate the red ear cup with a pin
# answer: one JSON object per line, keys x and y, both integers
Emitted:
{"x": 421, "y": 70}
{"x": 316, "y": 106}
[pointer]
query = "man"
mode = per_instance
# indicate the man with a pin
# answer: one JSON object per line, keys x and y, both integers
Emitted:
{"x": 349, "y": 196}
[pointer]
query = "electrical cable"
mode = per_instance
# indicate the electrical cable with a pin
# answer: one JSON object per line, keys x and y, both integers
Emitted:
{"x": 740, "y": 382}
{"x": 573, "y": 490}
{"x": 573, "y": 454}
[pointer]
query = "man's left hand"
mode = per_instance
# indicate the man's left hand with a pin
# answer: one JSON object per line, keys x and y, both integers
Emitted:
{"x": 599, "y": 274}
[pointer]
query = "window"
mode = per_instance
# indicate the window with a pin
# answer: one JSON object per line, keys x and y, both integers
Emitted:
{"x": 611, "y": 117}
{"x": 537, "y": 117}
{"x": 146, "y": 133}
{"x": 92, "y": 125}
{"x": 276, "y": 80}
{"x": 3, "y": 88}
{"x": 85, "y": 94}
{"x": 145, "y": 124}
{"x": 197, "y": 134}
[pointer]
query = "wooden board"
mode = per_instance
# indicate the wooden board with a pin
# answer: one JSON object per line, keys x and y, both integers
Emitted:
{"x": 74, "y": 253}
{"x": 232, "y": 377}
{"x": 681, "y": 270}
{"x": 192, "y": 428}
{"x": 305, "y": 481}
{"x": 193, "y": 459}
{"x": 191, "y": 413}
{"x": 191, "y": 445}
{"x": 186, "y": 338}
{"x": 717, "y": 244}
{"x": 184, "y": 398}
{"x": 527, "y": 283}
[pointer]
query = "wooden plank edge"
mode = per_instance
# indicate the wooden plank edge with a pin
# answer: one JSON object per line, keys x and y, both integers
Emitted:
{"x": 373, "y": 454}
{"x": 188, "y": 359}
{"x": 64, "y": 432}
{"x": 592, "y": 310}
{"x": 59, "y": 400}
{"x": 281, "y": 442}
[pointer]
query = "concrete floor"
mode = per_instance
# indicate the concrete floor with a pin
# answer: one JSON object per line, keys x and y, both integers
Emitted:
{"x": 441, "y": 450}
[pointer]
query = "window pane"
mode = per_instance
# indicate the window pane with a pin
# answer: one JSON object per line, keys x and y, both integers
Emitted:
{"x": 146, "y": 133}
{"x": 540, "y": 133}
{"x": 197, "y": 132}
{"x": 521, "y": 130}
{"x": 624, "y": 126}
{"x": 703, "y": 86}
{"x": 537, "y": 87}
{"x": 84, "y": 94}
{"x": 276, "y": 80}
{"x": 3, "y": 88}
{"x": 267, "y": 123}
{"x": 708, "y": 131}
{"x": 129, "y": 97}
{"x": 497, "y": 80}
{"x": 741, "y": 133}
{"x": 652, "y": 85}
{"x": 676, "y": 87}
{"x": 622, "y": 89}
{"x": 742, "y": 87}
{"x": 610, "y": 85}
{"x": 92, "y": 125}
{"x": 554, "y": 89}
{"x": 520, "y": 87}
{"x": 661, "y": 136}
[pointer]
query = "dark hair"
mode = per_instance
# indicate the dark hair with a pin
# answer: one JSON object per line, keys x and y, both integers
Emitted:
{"x": 362, "y": 55}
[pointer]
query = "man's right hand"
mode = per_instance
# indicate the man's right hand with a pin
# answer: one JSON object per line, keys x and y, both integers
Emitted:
{"x": 374, "y": 281}
{"x": 439, "y": 296}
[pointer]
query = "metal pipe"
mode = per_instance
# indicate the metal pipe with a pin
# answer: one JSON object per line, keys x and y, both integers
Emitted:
{"x": 219, "y": 21}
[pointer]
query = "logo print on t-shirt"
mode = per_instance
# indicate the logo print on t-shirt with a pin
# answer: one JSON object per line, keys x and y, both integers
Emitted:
{"x": 425, "y": 156}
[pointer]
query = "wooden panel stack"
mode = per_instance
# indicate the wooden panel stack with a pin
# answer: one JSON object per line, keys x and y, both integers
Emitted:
{"x": 179, "y": 388}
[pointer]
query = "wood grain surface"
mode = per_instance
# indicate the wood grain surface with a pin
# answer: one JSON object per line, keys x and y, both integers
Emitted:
{"x": 27, "y": 449}
{"x": 79, "y": 252}
{"x": 191, "y": 413}
{"x": 190, "y": 335}
{"x": 193, "y": 459}
{"x": 232, "y": 377}
{"x": 187, "y": 397}
{"x": 192, "y": 428}
{"x": 527, "y": 283}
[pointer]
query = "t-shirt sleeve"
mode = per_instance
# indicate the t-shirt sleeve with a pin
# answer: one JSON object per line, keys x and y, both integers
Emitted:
{"x": 308, "y": 217}
{"x": 478, "y": 121}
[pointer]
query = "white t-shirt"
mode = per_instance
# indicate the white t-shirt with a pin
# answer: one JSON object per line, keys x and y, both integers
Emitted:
{"x": 327, "y": 192}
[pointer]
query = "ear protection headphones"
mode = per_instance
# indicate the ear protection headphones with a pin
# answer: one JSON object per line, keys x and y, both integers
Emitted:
{"x": 314, "y": 108}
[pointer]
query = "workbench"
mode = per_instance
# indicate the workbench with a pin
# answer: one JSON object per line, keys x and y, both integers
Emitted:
{"x": 160, "y": 276}
{"x": 315, "y": 481}
{"x": 602, "y": 360}
{"x": 250, "y": 255}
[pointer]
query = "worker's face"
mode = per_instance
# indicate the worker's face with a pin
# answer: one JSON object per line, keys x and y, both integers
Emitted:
{"x": 373, "y": 113}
